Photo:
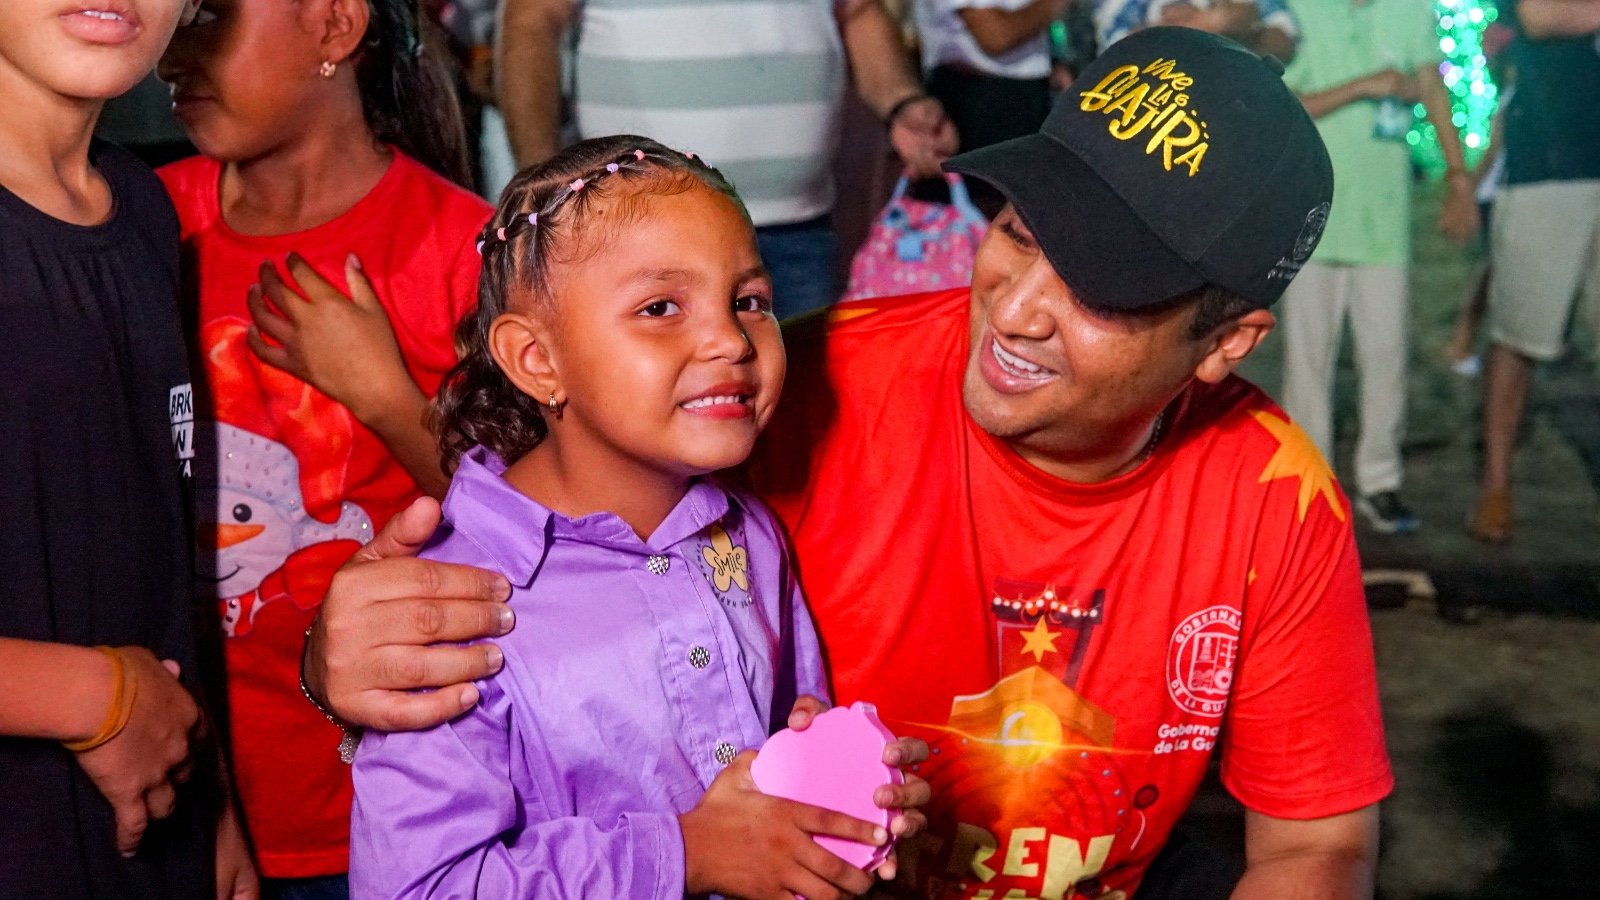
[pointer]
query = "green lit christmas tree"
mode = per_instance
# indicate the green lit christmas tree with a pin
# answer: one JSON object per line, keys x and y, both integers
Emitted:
{"x": 1473, "y": 93}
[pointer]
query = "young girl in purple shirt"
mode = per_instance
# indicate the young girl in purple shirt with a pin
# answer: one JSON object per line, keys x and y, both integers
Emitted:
{"x": 623, "y": 350}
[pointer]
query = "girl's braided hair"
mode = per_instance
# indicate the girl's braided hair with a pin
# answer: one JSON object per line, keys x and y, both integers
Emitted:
{"x": 541, "y": 214}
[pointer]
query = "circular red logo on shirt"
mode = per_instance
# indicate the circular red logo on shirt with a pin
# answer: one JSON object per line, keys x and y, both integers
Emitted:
{"x": 1200, "y": 660}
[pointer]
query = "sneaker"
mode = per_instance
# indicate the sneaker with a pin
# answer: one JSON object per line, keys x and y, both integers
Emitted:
{"x": 1386, "y": 514}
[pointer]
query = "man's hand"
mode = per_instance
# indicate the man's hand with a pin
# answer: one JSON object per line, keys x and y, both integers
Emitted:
{"x": 371, "y": 646}
{"x": 1459, "y": 216}
{"x": 923, "y": 136}
{"x": 136, "y": 771}
{"x": 884, "y": 79}
{"x": 1402, "y": 86}
{"x": 776, "y": 856}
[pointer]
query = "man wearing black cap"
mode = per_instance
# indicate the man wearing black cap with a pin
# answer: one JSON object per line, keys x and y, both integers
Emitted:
{"x": 1042, "y": 525}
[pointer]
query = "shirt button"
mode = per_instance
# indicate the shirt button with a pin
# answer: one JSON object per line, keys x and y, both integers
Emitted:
{"x": 699, "y": 657}
{"x": 658, "y": 564}
{"x": 725, "y": 752}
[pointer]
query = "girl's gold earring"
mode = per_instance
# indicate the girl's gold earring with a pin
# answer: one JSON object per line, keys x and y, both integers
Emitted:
{"x": 328, "y": 68}
{"x": 554, "y": 407}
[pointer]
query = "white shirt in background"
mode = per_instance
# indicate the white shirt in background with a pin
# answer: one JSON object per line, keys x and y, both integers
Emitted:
{"x": 946, "y": 41}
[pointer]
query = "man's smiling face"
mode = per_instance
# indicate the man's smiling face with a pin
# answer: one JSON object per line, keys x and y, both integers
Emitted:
{"x": 1064, "y": 383}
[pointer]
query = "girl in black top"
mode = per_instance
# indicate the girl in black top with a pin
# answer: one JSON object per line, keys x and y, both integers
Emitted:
{"x": 107, "y": 793}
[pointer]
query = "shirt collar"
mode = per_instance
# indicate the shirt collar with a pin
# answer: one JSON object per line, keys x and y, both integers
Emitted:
{"x": 516, "y": 529}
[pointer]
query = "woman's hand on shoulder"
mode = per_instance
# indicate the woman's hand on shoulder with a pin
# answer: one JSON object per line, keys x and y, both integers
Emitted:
{"x": 372, "y": 645}
{"x": 343, "y": 346}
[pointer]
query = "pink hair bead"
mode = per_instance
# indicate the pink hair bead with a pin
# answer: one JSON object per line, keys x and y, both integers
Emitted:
{"x": 480, "y": 248}
{"x": 639, "y": 155}
{"x": 611, "y": 167}
{"x": 533, "y": 218}
{"x": 500, "y": 233}
{"x": 576, "y": 185}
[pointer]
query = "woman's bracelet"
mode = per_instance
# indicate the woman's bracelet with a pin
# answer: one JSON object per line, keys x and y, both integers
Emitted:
{"x": 118, "y": 712}
{"x": 900, "y": 107}
{"x": 352, "y": 734}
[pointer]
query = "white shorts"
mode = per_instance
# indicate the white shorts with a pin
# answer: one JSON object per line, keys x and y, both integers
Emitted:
{"x": 1545, "y": 249}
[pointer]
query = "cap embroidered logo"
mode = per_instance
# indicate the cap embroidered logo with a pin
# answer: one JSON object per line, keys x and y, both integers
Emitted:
{"x": 1153, "y": 98}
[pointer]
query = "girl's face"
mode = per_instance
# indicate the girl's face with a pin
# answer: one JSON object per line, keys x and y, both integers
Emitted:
{"x": 665, "y": 346}
{"x": 82, "y": 49}
{"x": 245, "y": 73}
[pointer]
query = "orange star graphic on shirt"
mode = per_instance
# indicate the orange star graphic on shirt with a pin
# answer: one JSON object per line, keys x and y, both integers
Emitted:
{"x": 1298, "y": 457}
{"x": 1039, "y": 641}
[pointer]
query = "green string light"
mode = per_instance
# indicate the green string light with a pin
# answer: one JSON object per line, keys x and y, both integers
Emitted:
{"x": 1473, "y": 93}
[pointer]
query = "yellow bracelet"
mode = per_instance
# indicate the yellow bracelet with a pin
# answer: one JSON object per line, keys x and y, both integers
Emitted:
{"x": 118, "y": 712}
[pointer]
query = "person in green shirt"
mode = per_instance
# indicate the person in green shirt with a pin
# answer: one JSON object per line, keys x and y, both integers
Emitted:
{"x": 1362, "y": 65}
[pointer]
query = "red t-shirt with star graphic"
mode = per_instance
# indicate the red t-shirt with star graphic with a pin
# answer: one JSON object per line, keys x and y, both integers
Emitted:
{"x": 289, "y": 484}
{"x": 1071, "y": 652}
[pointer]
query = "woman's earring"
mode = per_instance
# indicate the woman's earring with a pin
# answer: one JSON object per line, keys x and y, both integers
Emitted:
{"x": 328, "y": 68}
{"x": 554, "y": 407}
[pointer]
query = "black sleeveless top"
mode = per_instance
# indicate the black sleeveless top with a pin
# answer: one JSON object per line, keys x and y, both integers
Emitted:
{"x": 96, "y": 420}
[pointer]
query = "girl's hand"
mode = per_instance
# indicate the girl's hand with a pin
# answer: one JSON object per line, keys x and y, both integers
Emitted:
{"x": 136, "y": 770}
{"x": 236, "y": 872}
{"x": 740, "y": 842}
{"x": 343, "y": 346}
{"x": 908, "y": 797}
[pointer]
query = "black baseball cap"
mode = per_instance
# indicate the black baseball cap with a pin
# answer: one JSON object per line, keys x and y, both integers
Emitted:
{"x": 1178, "y": 159}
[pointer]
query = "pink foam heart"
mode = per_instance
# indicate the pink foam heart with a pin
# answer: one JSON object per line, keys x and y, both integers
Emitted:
{"x": 836, "y": 763}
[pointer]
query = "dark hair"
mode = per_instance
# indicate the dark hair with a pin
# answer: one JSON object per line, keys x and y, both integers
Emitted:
{"x": 407, "y": 95}
{"x": 541, "y": 213}
{"x": 1216, "y": 306}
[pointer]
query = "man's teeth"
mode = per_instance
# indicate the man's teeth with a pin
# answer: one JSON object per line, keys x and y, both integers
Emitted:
{"x": 102, "y": 14}
{"x": 1015, "y": 364}
{"x": 704, "y": 402}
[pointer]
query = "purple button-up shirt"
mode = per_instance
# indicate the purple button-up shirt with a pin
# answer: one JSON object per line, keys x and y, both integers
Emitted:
{"x": 635, "y": 673}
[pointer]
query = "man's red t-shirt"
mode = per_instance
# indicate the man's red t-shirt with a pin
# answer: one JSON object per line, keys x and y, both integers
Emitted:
{"x": 298, "y": 483}
{"x": 1072, "y": 653}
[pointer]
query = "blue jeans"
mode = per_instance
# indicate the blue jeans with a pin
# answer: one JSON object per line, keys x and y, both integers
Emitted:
{"x": 324, "y": 887}
{"x": 801, "y": 258}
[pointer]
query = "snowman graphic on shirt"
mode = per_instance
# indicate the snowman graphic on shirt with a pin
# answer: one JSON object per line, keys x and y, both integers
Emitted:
{"x": 260, "y": 522}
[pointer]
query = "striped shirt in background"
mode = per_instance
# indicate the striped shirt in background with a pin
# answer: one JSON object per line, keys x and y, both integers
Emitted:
{"x": 754, "y": 86}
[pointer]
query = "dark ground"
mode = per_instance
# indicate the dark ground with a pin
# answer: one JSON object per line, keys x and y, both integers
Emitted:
{"x": 1489, "y": 661}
